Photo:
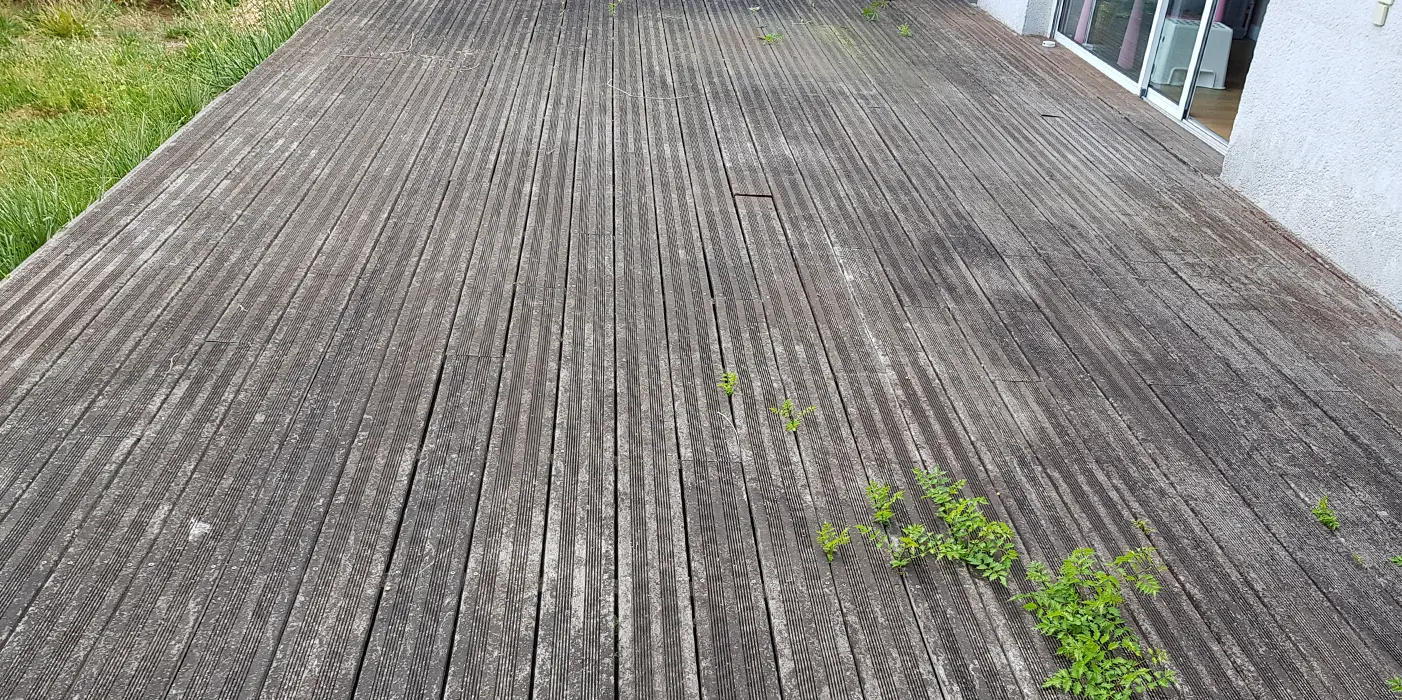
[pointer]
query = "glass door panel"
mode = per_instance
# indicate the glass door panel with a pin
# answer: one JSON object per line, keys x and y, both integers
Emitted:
{"x": 1177, "y": 45}
{"x": 1226, "y": 59}
{"x": 1114, "y": 31}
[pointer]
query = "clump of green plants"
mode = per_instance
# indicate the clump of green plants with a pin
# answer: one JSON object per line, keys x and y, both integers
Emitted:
{"x": 905, "y": 30}
{"x": 612, "y": 9}
{"x": 831, "y": 539}
{"x": 1079, "y": 607}
{"x": 792, "y": 415}
{"x": 1325, "y": 514}
{"x": 727, "y": 382}
{"x": 986, "y": 545}
{"x": 1144, "y": 526}
{"x": 1396, "y": 560}
{"x": 64, "y": 21}
{"x": 915, "y": 542}
{"x": 1395, "y": 684}
{"x": 771, "y": 38}
{"x": 871, "y": 12}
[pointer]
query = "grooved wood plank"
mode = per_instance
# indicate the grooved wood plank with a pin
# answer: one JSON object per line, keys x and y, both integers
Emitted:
{"x": 656, "y": 627}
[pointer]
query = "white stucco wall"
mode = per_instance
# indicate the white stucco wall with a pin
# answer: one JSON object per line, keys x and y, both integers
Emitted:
{"x": 1318, "y": 141}
{"x": 1022, "y": 16}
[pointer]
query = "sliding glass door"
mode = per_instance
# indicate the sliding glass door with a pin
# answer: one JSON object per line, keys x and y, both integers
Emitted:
{"x": 1115, "y": 32}
{"x": 1163, "y": 50}
{"x": 1179, "y": 53}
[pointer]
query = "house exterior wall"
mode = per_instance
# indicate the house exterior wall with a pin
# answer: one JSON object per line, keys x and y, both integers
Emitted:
{"x": 1022, "y": 16}
{"x": 1318, "y": 141}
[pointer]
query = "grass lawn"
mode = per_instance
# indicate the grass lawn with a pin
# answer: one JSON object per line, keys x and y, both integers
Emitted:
{"x": 90, "y": 87}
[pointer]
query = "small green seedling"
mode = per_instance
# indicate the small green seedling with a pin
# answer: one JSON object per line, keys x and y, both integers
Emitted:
{"x": 1395, "y": 684}
{"x": 905, "y": 30}
{"x": 613, "y": 9}
{"x": 830, "y": 538}
{"x": 771, "y": 38}
{"x": 791, "y": 415}
{"x": 883, "y": 502}
{"x": 1144, "y": 526}
{"x": 1358, "y": 559}
{"x": 727, "y": 382}
{"x": 1324, "y": 514}
{"x": 871, "y": 12}
{"x": 1396, "y": 560}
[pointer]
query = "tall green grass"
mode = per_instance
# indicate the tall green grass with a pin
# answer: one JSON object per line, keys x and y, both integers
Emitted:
{"x": 88, "y": 88}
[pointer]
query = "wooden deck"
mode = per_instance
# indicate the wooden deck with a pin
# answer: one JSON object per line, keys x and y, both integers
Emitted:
{"x": 393, "y": 374}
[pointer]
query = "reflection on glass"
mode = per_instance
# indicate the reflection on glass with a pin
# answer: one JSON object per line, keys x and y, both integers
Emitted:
{"x": 1116, "y": 31}
{"x": 1182, "y": 20}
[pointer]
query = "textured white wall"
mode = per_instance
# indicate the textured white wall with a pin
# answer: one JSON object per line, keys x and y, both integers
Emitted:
{"x": 1023, "y": 16}
{"x": 1318, "y": 141}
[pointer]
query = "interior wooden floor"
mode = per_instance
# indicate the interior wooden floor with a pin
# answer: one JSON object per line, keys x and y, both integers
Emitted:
{"x": 393, "y": 374}
{"x": 1217, "y": 109}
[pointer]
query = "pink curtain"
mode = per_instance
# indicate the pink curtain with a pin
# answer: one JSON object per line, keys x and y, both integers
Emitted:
{"x": 1129, "y": 50}
{"x": 1083, "y": 24}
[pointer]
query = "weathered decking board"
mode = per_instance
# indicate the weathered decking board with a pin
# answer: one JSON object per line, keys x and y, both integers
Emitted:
{"x": 393, "y": 374}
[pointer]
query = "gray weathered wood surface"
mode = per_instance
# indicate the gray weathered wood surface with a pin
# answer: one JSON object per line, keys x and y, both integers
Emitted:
{"x": 393, "y": 374}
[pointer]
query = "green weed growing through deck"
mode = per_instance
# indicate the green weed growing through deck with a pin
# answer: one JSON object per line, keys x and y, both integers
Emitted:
{"x": 727, "y": 382}
{"x": 986, "y": 545}
{"x": 831, "y": 538}
{"x": 905, "y": 30}
{"x": 613, "y": 9}
{"x": 914, "y": 543}
{"x": 793, "y": 417}
{"x": 1395, "y": 684}
{"x": 883, "y": 502}
{"x": 771, "y": 38}
{"x": 1144, "y": 526}
{"x": 1396, "y": 560}
{"x": 1079, "y": 606}
{"x": 872, "y": 12}
{"x": 1324, "y": 514}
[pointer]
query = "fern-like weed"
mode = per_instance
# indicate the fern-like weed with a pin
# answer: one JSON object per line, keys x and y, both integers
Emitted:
{"x": 727, "y": 382}
{"x": 831, "y": 538}
{"x": 883, "y": 502}
{"x": 986, "y": 545}
{"x": 1079, "y": 606}
{"x": 793, "y": 417}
